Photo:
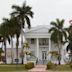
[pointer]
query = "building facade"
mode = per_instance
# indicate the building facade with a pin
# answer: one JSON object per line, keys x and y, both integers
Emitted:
{"x": 40, "y": 44}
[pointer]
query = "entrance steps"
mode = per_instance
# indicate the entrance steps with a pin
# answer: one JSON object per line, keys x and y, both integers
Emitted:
{"x": 38, "y": 68}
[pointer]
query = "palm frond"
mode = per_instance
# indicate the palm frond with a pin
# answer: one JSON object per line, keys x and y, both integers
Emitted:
{"x": 24, "y": 5}
{"x": 62, "y": 22}
{"x": 65, "y": 35}
{"x": 30, "y": 13}
{"x": 58, "y": 21}
{"x": 13, "y": 13}
{"x": 28, "y": 22}
{"x": 52, "y": 29}
{"x": 54, "y": 37}
{"x": 54, "y": 24}
{"x": 69, "y": 47}
{"x": 17, "y": 8}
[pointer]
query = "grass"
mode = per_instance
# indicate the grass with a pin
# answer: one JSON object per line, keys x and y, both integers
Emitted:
{"x": 21, "y": 68}
{"x": 62, "y": 68}
{"x": 6, "y": 68}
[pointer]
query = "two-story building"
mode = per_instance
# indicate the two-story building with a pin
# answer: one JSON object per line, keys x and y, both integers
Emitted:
{"x": 40, "y": 44}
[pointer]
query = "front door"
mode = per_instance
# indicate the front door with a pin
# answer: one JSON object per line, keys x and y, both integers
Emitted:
{"x": 44, "y": 55}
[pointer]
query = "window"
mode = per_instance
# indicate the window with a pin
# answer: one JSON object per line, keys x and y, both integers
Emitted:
{"x": 43, "y": 41}
{"x": 32, "y": 41}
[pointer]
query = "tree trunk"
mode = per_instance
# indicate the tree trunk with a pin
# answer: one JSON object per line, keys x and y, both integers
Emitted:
{"x": 5, "y": 50}
{"x": 17, "y": 43}
{"x": 11, "y": 50}
{"x": 59, "y": 57}
{"x": 22, "y": 43}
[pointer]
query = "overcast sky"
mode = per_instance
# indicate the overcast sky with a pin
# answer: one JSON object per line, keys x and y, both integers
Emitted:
{"x": 45, "y": 11}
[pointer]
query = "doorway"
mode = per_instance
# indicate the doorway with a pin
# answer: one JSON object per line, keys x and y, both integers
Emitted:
{"x": 44, "y": 57}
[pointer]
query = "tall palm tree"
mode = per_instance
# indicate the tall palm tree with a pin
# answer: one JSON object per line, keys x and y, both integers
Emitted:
{"x": 69, "y": 47}
{"x": 15, "y": 29}
{"x": 23, "y": 13}
{"x": 58, "y": 34}
{"x": 5, "y": 34}
{"x": 10, "y": 32}
{"x": 17, "y": 33}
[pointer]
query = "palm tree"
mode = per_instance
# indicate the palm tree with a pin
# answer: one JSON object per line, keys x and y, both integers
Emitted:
{"x": 14, "y": 29}
{"x": 8, "y": 29}
{"x": 58, "y": 34}
{"x": 69, "y": 47}
{"x": 23, "y": 13}
{"x": 10, "y": 32}
{"x": 5, "y": 34}
{"x": 17, "y": 33}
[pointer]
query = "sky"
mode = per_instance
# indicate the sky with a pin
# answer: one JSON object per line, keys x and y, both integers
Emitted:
{"x": 45, "y": 11}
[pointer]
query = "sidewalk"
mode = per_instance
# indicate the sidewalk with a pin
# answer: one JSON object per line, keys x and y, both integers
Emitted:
{"x": 38, "y": 68}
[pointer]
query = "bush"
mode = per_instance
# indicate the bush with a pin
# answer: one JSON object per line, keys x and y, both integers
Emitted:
{"x": 71, "y": 65}
{"x": 50, "y": 65}
{"x": 29, "y": 65}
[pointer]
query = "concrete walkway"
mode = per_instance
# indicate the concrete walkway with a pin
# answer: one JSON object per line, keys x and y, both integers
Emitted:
{"x": 38, "y": 68}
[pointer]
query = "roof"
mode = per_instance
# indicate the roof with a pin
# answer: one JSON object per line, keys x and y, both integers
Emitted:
{"x": 37, "y": 28}
{"x": 40, "y": 31}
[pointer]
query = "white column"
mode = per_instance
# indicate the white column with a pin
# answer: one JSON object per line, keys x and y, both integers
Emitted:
{"x": 37, "y": 50}
{"x": 49, "y": 48}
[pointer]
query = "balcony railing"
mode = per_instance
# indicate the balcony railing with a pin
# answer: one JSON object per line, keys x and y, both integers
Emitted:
{"x": 43, "y": 46}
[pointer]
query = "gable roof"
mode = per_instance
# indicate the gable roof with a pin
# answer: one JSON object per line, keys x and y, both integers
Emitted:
{"x": 40, "y": 28}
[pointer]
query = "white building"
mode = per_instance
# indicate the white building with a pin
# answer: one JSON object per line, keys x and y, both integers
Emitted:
{"x": 40, "y": 44}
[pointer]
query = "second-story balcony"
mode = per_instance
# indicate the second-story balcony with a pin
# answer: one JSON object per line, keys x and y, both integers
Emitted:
{"x": 43, "y": 42}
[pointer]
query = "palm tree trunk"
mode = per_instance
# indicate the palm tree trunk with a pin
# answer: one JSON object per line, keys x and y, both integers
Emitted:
{"x": 22, "y": 47}
{"x": 22, "y": 43}
{"x": 5, "y": 49}
{"x": 59, "y": 57}
{"x": 17, "y": 43}
{"x": 11, "y": 50}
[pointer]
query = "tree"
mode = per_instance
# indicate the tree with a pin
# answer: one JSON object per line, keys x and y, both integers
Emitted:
{"x": 15, "y": 30}
{"x": 10, "y": 31}
{"x": 69, "y": 47}
{"x": 4, "y": 33}
{"x": 58, "y": 34}
{"x": 23, "y": 13}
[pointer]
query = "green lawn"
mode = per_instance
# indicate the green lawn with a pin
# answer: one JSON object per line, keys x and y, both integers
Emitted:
{"x": 21, "y": 68}
{"x": 62, "y": 68}
{"x": 6, "y": 68}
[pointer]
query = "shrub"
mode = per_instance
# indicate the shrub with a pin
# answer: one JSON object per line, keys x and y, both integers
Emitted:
{"x": 50, "y": 65}
{"x": 71, "y": 65}
{"x": 29, "y": 65}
